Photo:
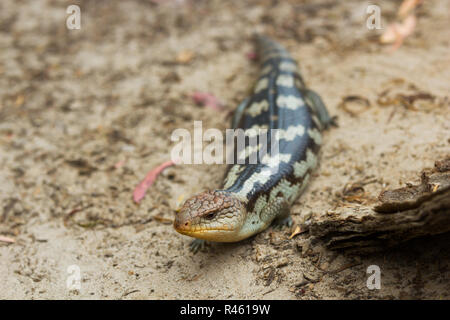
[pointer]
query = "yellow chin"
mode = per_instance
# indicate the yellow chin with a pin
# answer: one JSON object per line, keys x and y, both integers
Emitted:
{"x": 217, "y": 235}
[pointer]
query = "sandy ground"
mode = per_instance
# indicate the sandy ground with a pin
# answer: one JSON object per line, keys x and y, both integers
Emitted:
{"x": 75, "y": 103}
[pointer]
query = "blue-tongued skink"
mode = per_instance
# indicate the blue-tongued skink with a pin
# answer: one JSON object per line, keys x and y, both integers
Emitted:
{"x": 254, "y": 195}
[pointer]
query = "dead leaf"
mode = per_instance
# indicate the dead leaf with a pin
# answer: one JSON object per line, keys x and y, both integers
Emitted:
{"x": 207, "y": 100}
{"x": 252, "y": 55}
{"x": 7, "y": 239}
{"x": 119, "y": 164}
{"x": 298, "y": 230}
{"x": 20, "y": 99}
{"x": 397, "y": 32}
{"x": 163, "y": 220}
{"x": 179, "y": 202}
{"x": 141, "y": 189}
{"x": 354, "y": 105}
{"x": 407, "y": 6}
{"x": 185, "y": 56}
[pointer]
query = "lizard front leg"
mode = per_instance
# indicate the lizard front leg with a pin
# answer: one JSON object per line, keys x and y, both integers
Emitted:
{"x": 197, "y": 245}
{"x": 277, "y": 212}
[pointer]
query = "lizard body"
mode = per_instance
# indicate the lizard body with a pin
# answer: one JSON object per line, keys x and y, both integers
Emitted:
{"x": 254, "y": 195}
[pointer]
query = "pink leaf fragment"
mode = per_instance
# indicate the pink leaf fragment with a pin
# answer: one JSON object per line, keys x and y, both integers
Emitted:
{"x": 7, "y": 239}
{"x": 252, "y": 55}
{"x": 119, "y": 164}
{"x": 397, "y": 32}
{"x": 407, "y": 6}
{"x": 141, "y": 189}
{"x": 207, "y": 99}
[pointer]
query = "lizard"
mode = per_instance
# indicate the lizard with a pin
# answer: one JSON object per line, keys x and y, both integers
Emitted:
{"x": 253, "y": 196}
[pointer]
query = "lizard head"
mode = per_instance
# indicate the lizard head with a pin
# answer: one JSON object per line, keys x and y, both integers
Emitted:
{"x": 211, "y": 215}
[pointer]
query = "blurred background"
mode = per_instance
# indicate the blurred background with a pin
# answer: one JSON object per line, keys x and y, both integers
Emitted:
{"x": 87, "y": 110}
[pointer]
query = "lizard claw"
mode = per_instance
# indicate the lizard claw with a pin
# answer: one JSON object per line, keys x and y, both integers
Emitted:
{"x": 286, "y": 222}
{"x": 332, "y": 122}
{"x": 196, "y": 245}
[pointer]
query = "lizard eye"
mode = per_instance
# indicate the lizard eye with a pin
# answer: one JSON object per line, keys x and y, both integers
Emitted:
{"x": 211, "y": 215}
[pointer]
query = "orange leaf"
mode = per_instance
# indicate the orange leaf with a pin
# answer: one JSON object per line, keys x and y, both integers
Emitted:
{"x": 297, "y": 231}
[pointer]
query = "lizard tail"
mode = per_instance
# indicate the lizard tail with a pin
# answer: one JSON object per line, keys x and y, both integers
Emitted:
{"x": 269, "y": 49}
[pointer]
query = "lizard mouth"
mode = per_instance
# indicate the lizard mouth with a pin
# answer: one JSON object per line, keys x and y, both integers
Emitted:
{"x": 201, "y": 232}
{"x": 192, "y": 231}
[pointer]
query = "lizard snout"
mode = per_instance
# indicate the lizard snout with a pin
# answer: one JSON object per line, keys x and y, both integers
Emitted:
{"x": 180, "y": 223}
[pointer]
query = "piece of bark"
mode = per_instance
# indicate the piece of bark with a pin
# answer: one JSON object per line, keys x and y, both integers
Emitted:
{"x": 411, "y": 197}
{"x": 403, "y": 214}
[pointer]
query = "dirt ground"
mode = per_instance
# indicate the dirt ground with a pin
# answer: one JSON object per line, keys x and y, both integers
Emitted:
{"x": 85, "y": 114}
